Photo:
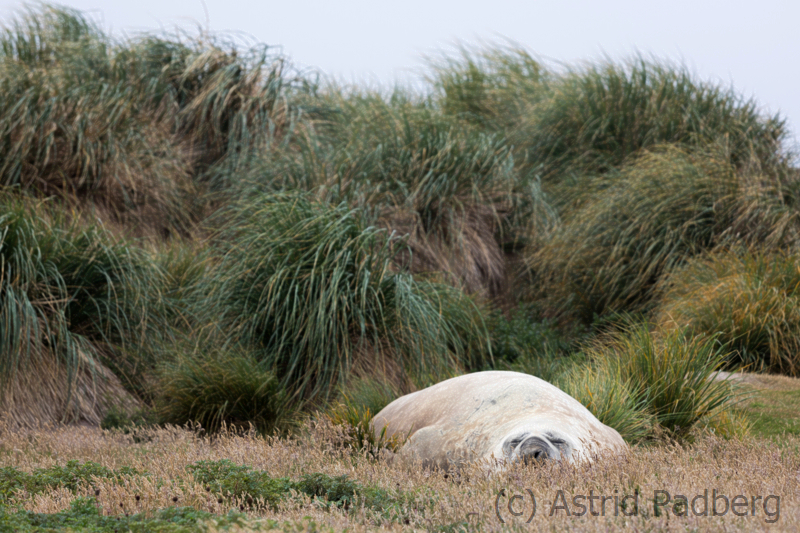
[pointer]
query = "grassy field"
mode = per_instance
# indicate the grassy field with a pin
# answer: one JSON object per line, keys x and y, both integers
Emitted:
{"x": 195, "y": 232}
{"x": 176, "y": 481}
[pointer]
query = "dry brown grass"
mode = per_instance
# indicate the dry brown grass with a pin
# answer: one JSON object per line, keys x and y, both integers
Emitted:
{"x": 462, "y": 247}
{"x": 38, "y": 395}
{"x": 749, "y": 467}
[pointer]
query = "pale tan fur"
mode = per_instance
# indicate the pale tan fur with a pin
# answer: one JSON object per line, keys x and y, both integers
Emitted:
{"x": 470, "y": 417}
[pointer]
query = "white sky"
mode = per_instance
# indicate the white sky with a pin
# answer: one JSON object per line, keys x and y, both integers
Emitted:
{"x": 751, "y": 44}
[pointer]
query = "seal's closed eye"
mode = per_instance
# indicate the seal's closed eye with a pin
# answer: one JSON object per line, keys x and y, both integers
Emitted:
{"x": 563, "y": 446}
{"x": 511, "y": 444}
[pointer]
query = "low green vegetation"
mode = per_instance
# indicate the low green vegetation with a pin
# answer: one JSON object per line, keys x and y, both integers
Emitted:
{"x": 84, "y": 515}
{"x": 239, "y": 485}
{"x": 773, "y": 413}
{"x": 70, "y": 476}
{"x": 242, "y": 483}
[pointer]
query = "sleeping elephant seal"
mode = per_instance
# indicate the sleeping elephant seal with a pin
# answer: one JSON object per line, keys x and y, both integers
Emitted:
{"x": 497, "y": 416}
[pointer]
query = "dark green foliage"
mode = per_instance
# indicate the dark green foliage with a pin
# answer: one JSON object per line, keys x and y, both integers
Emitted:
{"x": 117, "y": 418}
{"x": 70, "y": 298}
{"x": 233, "y": 481}
{"x": 84, "y": 515}
{"x": 525, "y": 333}
{"x": 71, "y": 476}
{"x": 301, "y": 278}
{"x": 221, "y": 387}
{"x": 372, "y": 394}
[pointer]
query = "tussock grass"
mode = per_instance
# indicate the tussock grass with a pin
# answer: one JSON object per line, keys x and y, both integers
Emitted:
{"x": 662, "y": 208}
{"x": 357, "y": 235}
{"x": 412, "y": 170}
{"x": 608, "y": 395}
{"x": 311, "y": 287}
{"x": 136, "y": 128}
{"x": 637, "y": 375}
{"x": 749, "y": 300}
{"x": 221, "y": 389}
{"x": 598, "y": 115}
{"x": 72, "y": 302}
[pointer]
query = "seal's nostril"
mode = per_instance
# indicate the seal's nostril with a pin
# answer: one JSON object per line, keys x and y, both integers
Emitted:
{"x": 535, "y": 456}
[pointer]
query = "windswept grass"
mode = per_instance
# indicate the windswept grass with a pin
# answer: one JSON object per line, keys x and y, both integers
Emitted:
{"x": 751, "y": 301}
{"x": 311, "y": 287}
{"x": 305, "y": 244}
{"x": 71, "y": 302}
{"x": 494, "y": 88}
{"x": 661, "y": 209}
{"x": 410, "y": 169}
{"x": 136, "y": 128}
{"x": 599, "y": 115}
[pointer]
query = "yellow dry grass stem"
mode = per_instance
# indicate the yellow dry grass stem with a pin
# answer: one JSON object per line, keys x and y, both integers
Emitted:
{"x": 749, "y": 467}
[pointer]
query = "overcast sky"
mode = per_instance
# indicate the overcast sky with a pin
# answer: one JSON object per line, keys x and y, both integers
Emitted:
{"x": 753, "y": 45}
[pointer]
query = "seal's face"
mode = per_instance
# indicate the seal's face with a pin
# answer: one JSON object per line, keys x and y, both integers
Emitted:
{"x": 529, "y": 447}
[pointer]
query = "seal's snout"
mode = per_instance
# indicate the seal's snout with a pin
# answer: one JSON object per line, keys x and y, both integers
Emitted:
{"x": 536, "y": 449}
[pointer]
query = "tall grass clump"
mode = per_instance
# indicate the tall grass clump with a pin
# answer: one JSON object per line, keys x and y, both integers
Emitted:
{"x": 71, "y": 302}
{"x": 132, "y": 128}
{"x": 611, "y": 398}
{"x": 413, "y": 170}
{"x": 311, "y": 287}
{"x": 668, "y": 377}
{"x": 493, "y": 88}
{"x": 659, "y": 210}
{"x": 749, "y": 300}
{"x": 599, "y": 115}
{"x": 221, "y": 388}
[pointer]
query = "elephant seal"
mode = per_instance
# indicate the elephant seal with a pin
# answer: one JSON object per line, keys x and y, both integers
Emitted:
{"x": 497, "y": 416}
